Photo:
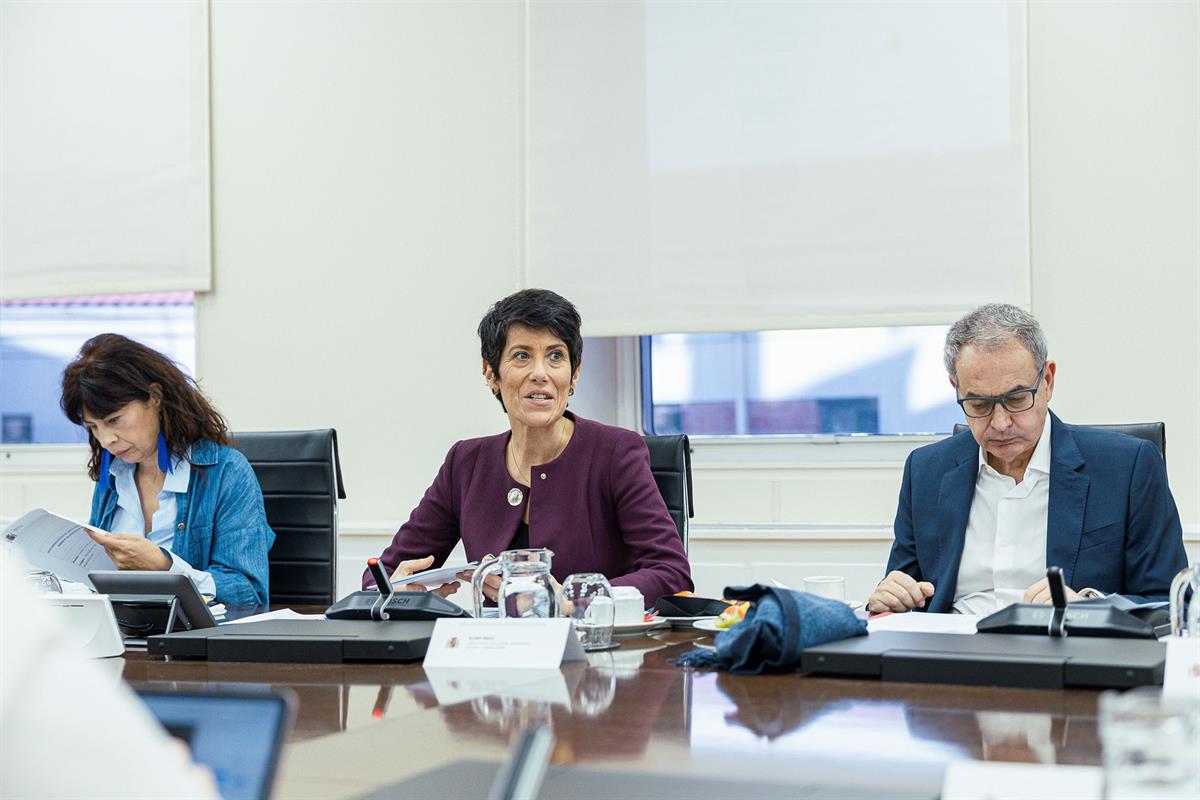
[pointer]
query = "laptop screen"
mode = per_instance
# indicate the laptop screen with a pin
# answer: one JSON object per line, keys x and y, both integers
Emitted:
{"x": 237, "y": 736}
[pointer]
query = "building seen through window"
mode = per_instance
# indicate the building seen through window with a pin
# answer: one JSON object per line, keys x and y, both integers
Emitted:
{"x": 826, "y": 381}
{"x": 39, "y": 337}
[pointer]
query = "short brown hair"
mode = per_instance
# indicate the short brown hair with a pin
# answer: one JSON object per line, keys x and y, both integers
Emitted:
{"x": 112, "y": 371}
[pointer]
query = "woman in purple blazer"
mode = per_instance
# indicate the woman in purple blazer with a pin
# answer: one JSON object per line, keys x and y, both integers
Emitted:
{"x": 553, "y": 480}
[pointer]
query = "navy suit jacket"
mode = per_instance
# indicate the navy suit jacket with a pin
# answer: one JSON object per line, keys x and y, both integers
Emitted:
{"x": 1112, "y": 524}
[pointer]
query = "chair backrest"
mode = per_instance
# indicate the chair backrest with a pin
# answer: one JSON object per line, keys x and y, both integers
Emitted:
{"x": 301, "y": 479}
{"x": 671, "y": 463}
{"x": 1153, "y": 432}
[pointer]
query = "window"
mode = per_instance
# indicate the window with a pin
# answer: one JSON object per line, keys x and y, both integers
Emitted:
{"x": 828, "y": 381}
{"x": 39, "y": 337}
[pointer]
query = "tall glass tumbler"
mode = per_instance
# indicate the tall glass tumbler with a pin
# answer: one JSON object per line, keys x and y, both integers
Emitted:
{"x": 1151, "y": 745}
{"x": 587, "y": 596}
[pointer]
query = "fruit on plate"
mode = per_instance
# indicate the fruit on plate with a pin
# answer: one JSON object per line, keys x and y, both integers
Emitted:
{"x": 693, "y": 594}
{"x": 733, "y": 615}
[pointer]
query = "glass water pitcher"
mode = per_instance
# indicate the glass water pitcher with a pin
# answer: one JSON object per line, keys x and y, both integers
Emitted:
{"x": 526, "y": 589}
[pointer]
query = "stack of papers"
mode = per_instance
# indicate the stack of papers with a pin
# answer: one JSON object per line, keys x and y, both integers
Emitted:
{"x": 57, "y": 544}
{"x": 432, "y": 578}
{"x": 920, "y": 622}
{"x": 283, "y": 613}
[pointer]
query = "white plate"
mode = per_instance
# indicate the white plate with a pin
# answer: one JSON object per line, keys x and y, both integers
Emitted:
{"x": 639, "y": 627}
{"x": 683, "y": 623}
{"x": 708, "y": 624}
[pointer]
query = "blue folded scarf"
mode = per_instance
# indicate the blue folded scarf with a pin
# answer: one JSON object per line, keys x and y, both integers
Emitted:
{"x": 777, "y": 628}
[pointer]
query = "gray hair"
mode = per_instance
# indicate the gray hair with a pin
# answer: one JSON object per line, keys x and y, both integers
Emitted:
{"x": 991, "y": 327}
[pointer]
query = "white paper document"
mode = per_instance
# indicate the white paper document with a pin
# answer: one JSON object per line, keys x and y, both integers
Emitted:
{"x": 503, "y": 644}
{"x": 56, "y": 544}
{"x": 432, "y": 578}
{"x": 921, "y": 622}
{"x": 283, "y": 613}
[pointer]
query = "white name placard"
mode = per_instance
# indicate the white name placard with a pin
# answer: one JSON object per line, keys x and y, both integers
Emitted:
{"x": 503, "y": 643}
{"x": 1181, "y": 676}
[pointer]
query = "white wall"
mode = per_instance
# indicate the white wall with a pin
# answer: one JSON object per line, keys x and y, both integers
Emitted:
{"x": 367, "y": 194}
{"x": 1115, "y": 253}
{"x": 1115, "y": 181}
{"x": 367, "y": 210}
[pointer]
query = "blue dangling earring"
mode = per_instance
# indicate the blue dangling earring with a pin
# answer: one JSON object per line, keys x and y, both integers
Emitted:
{"x": 164, "y": 455}
{"x": 104, "y": 479}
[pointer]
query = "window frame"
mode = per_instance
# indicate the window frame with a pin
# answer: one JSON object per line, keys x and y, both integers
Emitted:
{"x": 56, "y": 456}
{"x": 636, "y": 372}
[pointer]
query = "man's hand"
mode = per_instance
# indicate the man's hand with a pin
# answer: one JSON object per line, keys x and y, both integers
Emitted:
{"x": 1040, "y": 593}
{"x": 414, "y": 566}
{"x": 899, "y": 592}
{"x": 131, "y": 552}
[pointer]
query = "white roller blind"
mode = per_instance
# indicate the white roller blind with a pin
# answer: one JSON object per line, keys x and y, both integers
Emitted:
{"x": 104, "y": 172}
{"x": 755, "y": 165}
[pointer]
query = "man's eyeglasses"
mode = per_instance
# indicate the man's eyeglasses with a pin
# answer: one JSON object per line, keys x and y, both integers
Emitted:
{"x": 1013, "y": 402}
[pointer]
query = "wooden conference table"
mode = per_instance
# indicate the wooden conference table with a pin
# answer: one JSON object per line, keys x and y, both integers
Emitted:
{"x": 360, "y": 727}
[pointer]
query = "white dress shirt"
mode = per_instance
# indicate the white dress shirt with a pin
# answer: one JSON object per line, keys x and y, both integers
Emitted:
{"x": 128, "y": 517}
{"x": 1005, "y": 548}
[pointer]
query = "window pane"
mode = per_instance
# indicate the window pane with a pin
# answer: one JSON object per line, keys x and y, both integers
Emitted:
{"x": 39, "y": 337}
{"x": 829, "y": 381}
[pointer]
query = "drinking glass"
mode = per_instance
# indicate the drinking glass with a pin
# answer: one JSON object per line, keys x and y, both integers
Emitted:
{"x": 43, "y": 582}
{"x": 1150, "y": 745}
{"x": 589, "y": 599}
{"x": 1185, "y": 615}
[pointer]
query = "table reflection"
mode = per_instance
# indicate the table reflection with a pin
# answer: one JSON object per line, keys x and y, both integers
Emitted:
{"x": 924, "y": 722}
{"x": 633, "y": 702}
{"x": 604, "y": 707}
{"x": 732, "y": 713}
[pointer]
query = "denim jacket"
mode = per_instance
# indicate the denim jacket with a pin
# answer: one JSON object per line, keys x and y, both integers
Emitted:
{"x": 220, "y": 526}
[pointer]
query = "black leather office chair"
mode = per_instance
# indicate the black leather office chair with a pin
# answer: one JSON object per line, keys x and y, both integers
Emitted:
{"x": 671, "y": 463}
{"x": 1154, "y": 432}
{"x": 301, "y": 479}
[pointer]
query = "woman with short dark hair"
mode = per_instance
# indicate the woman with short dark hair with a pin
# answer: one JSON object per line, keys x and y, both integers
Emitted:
{"x": 170, "y": 493}
{"x": 580, "y": 488}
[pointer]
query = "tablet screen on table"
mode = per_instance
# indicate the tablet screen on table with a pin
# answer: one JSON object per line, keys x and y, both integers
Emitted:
{"x": 237, "y": 735}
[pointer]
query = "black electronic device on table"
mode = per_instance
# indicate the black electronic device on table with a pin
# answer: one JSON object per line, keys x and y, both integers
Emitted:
{"x": 147, "y": 602}
{"x": 1042, "y": 662}
{"x": 383, "y": 625}
{"x": 1059, "y": 619}
{"x": 300, "y": 641}
{"x": 1046, "y": 658}
{"x": 238, "y": 735}
{"x": 399, "y": 606}
{"x": 387, "y": 604}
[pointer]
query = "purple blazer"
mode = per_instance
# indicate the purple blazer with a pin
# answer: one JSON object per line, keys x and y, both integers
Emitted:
{"x": 596, "y": 506}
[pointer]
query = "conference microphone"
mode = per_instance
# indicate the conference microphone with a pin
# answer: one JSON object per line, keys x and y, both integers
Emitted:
{"x": 384, "y": 585}
{"x": 1057, "y": 627}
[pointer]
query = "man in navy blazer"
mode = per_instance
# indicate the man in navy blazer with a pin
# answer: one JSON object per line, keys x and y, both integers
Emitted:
{"x": 984, "y": 513}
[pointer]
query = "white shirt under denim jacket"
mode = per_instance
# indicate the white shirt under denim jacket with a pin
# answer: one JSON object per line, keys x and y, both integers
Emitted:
{"x": 128, "y": 518}
{"x": 210, "y": 520}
